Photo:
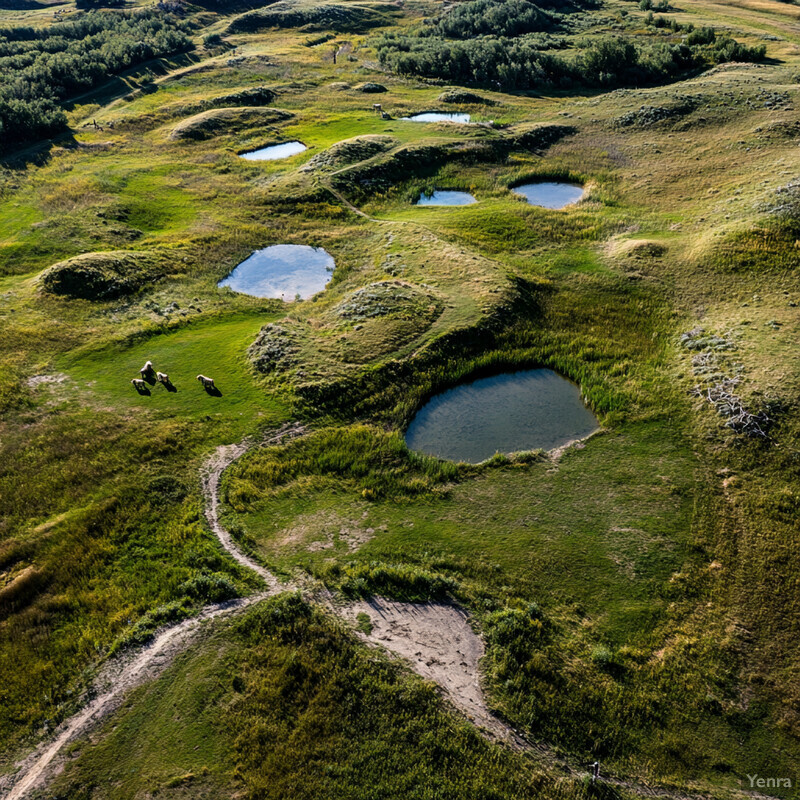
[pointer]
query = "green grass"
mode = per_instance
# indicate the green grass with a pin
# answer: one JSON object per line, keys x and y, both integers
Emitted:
{"x": 662, "y": 557}
{"x": 215, "y": 348}
{"x": 283, "y": 704}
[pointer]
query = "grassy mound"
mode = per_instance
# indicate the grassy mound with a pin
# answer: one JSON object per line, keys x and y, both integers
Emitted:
{"x": 99, "y": 276}
{"x": 462, "y": 96}
{"x": 293, "y": 14}
{"x": 257, "y": 96}
{"x": 636, "y": 248}
{"x": 421, "y": 160}
{"x": 275, "y": 347}
{"x": 646, "y": 116}
{"x": 221, "y": 121}
{"x": 370, "y": 88}
{"x": 386, "y": 300}
{"x": 350, "y": 151}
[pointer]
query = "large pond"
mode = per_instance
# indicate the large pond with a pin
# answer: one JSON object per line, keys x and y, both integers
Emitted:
{"x": 275, "y": 152}
{"x": 445, "y": 197}
{"x": 529, "y": 410}
{"x": 550, "y": 194}
{"x": 438, "y": 116}
{"x": 282, "y": 271}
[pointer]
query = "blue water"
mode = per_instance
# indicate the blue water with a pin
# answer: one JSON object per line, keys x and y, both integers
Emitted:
{"x": 282, "y": 271}
{"x": 550, "y": 195}
{"x": 442, "y": 197}
{"x": 529, "y": 410}
{"x": 275, "y": 151}
{"x": 438, "y": 116}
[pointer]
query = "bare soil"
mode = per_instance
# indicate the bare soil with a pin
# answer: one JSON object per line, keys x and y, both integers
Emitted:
{"x": 436, "y": 640}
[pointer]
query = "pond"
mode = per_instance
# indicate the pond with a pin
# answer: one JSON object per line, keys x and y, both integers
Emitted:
{"x": 445, "y": 197}
{"x": 528, "y": 410}
{"x": 438, "y": 116}
{"x": 550, "y": 194}
{"x": 282, "y": 271}
{"x": 274, "y": 152}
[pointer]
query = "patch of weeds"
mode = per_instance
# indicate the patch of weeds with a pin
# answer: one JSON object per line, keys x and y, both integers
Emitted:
{"x": 144, "y": 630}
{"x": 363, "y": 623}
{"x": 398, "y": 581}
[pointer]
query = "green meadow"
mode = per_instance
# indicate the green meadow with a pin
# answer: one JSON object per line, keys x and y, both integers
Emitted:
{"x": 216, "y": 347}
{"x": 635, "y": 594}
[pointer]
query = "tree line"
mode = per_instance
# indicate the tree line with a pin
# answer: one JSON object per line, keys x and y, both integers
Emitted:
{"x": 507, "y": 44}
{"x": 40, "y": 67}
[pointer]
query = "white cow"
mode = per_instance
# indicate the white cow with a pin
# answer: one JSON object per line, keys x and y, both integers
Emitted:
{"x": 146, "y": 369}
{"x": 208, "y": 383}
{"x": 162, "y": 377}
{"x": 139, "y": 384}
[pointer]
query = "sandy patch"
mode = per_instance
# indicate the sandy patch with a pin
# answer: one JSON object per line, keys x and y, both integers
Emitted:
{"x": 439, "y": 644}
{"x": 38, "y": 380}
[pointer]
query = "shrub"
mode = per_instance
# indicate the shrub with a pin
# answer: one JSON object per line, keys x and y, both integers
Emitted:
{"x": 516, "y": 634}
{"x": 212, "y": 40}
{"x": 212, "y": 588}
{"x": 370, "y": 88}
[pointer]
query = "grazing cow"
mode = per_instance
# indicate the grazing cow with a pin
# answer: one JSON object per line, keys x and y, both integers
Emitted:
{"x": 377, "y": 107}
{"x": 208, "y": 383}
{"x": 146, "y": 369}
{"x": 162, "y": 377}
{"x": 139, "y": 384}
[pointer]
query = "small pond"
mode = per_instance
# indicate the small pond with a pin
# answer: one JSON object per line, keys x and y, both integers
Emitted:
{"x": 438, "y": 116}
{"x": 274, "y": 152}
{"x": 550, "y": 195}
{"x": 282, "y": 271}
{"x": 445, "y": 197}
{"x": 527, "y": 410}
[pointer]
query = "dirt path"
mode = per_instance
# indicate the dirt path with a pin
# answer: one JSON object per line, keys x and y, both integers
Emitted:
{"x": 112, "y": 685}
{"x": 221, "y": 459}
{"x": 434, "y": 639}
{"x": 347, "y": 204}
{"x": 123, "y": 674}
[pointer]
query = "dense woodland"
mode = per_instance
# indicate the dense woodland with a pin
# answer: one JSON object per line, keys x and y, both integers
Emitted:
{"x": 509, "y": 44}
{"x": 41, "y": 66}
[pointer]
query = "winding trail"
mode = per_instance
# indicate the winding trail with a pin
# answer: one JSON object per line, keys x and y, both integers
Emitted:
{"x": 115, "y": 681}
{"x": 117, "y": 678}
{"x": 211, "y": 475}
{"x": 434, "y": 639}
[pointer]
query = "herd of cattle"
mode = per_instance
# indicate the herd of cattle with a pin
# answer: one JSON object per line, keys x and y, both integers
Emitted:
{"x": 149, "y": 372}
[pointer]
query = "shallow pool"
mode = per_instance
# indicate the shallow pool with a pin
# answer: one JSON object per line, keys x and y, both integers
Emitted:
{"x": 438, "y": 116}
{"x": 282, "y": 271}
{"x": 550, "y": 194}
{"x": 529, "y": 410}
{"x": 274, "y": 152}
{"x": 444, "y": 197}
